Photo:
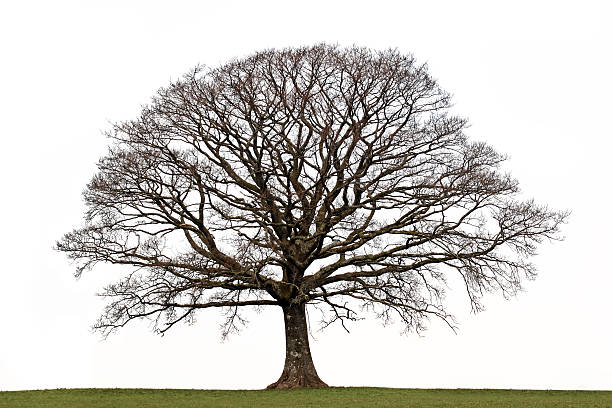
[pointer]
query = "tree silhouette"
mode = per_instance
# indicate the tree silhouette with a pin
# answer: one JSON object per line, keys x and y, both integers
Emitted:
{"x": 318, "y": 175}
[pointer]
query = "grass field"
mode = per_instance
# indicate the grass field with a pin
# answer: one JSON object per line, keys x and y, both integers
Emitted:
{"x": 331, "y": 397}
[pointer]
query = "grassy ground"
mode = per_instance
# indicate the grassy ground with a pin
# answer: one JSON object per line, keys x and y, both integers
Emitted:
{"x": 331, "y": 397}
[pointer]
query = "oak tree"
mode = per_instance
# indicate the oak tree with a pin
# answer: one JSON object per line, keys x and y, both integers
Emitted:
{"x": 325, "y": 176}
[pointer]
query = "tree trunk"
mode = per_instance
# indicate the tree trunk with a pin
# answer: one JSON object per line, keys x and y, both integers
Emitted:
{"x": 299, "y": 371}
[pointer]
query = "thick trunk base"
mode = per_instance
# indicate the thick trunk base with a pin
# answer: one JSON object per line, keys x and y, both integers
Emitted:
{"x": 304, "y": 381}
{"x": 299, "y": 370}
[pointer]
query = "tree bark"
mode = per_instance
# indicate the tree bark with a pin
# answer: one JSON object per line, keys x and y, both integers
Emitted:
{"x": 299, "y": 370}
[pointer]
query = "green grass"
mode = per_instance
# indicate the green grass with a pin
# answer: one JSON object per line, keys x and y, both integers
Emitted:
{"x": 331, "y": 397}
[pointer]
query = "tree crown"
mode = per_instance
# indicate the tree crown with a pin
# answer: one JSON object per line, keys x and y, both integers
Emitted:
{"x": 303, "y": 175}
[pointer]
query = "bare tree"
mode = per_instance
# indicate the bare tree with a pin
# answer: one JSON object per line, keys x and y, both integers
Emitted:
{"x": 319, "y": 175}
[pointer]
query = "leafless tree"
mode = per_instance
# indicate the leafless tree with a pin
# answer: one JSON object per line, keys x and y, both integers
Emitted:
{"x": 328, "y": 176}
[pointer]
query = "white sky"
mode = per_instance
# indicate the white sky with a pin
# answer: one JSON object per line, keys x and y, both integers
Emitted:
{"x": 532, "y": 76}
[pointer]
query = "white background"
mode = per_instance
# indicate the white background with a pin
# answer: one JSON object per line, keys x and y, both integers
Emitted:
{"x": 532, "y": 76}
